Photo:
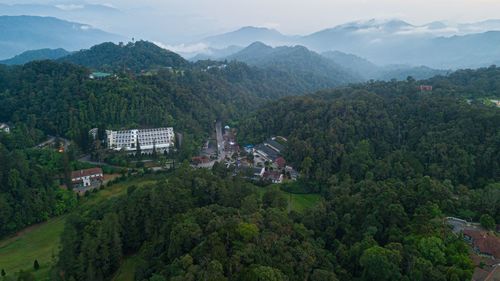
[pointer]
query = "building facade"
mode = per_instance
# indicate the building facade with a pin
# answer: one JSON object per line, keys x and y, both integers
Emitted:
{"x": 159, "y": 139}
{"x": 87, "y": 178}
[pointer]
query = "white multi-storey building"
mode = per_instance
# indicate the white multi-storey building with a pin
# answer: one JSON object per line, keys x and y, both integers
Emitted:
{"x": 160, "y": 139}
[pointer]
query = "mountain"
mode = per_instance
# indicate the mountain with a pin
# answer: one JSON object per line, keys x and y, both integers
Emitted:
{"x": 23, "y": 33}
{"x": 135, "y": 57}
{"x": 436, "y": 44}
{"x": 369, "y": 70}
{"x": 247, "y": 35}
{"x": 42, "y": 54}
{"x": 215, "y": 54}
{"x": 363, "y": 67}
{"x": 297, "y": 60}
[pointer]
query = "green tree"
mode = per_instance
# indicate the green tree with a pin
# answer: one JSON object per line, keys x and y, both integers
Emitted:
{"x": 36, "y": 265}
{"x": 487, "y": 222}
{"x": 265, "y": 273}
{"x": 380, "y": 264}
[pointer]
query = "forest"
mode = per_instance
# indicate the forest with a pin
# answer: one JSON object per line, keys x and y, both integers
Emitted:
{"x": 388, "y": 160}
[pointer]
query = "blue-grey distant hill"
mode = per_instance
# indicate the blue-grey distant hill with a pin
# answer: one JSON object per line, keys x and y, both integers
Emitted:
{"x": 369, "y": 70}
{"x": 335, "y": 67}
{"x": 298, "y": 61}
{"x": 388, "y": 42}
{"x": 34, "y": 55}
{"x": 22, "y": 33}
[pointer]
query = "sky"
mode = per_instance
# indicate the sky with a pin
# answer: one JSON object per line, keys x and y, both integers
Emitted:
{"x": 176, "y": 21}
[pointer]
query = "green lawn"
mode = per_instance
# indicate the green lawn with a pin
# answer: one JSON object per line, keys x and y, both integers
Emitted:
{"x": 296, "y": 202}
{"x": 42, "y": 241}
{"x": 39, "y": 242}
{"x": 301, "y": 202}
{"x": 127, "y": 269}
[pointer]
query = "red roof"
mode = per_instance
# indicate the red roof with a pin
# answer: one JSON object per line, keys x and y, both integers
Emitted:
{"x": 281, "y": 162}
{"x": 485, "y": 242}
{"x": 86, "y": 172}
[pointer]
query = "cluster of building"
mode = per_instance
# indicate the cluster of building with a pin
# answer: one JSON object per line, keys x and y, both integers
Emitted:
{"x": 485, "y": 247}
{"x": 268, "y": 162}
{"x": 145, "y": 140}
{"x": 262, "y": 162}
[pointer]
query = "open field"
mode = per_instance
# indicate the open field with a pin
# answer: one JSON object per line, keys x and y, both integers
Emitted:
{"x": 296, "y": 202}
{"x": 42, "y": 241}
{"x": 127, "y": 269}
{"x": 39, "y": 242}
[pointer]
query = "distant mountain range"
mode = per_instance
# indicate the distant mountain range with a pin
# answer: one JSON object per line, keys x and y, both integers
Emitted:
{"x": 42, "y": 54}
{"x": 385, "y": 42}
{"x": 328, "y": 69}
{"x": 297, "y": 60}
{"x": 22, "y": 33}
{"x": 329, "y": 65}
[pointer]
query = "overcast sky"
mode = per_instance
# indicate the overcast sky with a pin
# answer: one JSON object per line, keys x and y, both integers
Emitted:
{"x": 183, "y": 20}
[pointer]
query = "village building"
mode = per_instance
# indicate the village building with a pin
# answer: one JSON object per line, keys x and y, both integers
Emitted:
{"x": 99, "y": 75}
{"x": 274, "y": 145}
{"x": 425, "y": 88}
{"x": 484, "y": 243}
{"x": 145, "y": 140}
{"x": 273, "y": 176}
{"x": 280, "y": 162}
{"x": 87, "y": 178}
{"x": 266, "y": 152}
{"x": 4, "y": 128}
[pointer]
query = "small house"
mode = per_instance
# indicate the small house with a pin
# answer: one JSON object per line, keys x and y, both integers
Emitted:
{"x": 4, "y": 128}
{"x": 87, "y": 178}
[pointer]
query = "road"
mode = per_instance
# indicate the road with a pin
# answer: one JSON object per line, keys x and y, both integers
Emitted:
{"x": 220, "y": 139}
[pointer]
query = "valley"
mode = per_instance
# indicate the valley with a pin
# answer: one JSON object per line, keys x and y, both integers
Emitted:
{"x": 368, "y": 150}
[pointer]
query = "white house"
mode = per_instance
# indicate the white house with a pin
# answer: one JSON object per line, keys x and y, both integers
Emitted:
{"x": 4, "y": 128}
{"x": 87, "y": 178}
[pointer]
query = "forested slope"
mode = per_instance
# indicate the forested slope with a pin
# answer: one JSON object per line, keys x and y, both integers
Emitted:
{"x": 389, "y": 161}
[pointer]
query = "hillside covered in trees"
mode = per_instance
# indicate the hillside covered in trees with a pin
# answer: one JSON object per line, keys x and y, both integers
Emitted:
{"x": 135, "y": 57}
{"x": 389, "y": 161}
{"x": 199, "y": 226}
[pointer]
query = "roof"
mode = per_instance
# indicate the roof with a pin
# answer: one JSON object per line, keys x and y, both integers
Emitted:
{"x": 479, "y": 274}
{"x": 275, "y": 145}
{"x": 271, "y": 153}
{"x": 494, "y": 274}
{"x": 86, "y": 172}
{"x": 280, "y": 161}
{"x": 272, "y": 175}
{"x": 100, "y": 74}
{"x": 485, "y": 242}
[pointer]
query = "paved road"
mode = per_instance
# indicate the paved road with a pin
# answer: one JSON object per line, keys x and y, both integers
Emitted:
{"x": 220, "y": 139}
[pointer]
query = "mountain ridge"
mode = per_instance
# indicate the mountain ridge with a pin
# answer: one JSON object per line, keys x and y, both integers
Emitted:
{"x": 24, "y": 33}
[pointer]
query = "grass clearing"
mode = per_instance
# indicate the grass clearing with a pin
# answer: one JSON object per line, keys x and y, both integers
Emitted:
{"x": 42, "y": 241}
{"x": 296, "y": 202}
{"x": 39, "y": 242}
{"x": 127, "y": 269}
